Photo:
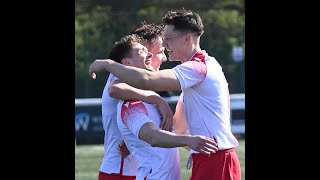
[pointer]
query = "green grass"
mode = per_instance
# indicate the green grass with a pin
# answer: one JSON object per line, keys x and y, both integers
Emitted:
{"x": 88, "y": 159}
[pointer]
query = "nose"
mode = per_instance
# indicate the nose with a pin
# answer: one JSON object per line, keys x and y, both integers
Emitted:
{"x": 149, "y": 55}
{"x": 164, "y": 59}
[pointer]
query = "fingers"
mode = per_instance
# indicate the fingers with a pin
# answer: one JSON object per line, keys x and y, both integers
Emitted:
{"x": 119, "y": 150}
{"x": 166, "y": 124}
{"x": 162, "y": 123}
{"x": 93, "y": 69}
{"x": 204, "y": 152}
{"x": 122, "y": 152}
{"x": 206, "y": 145}
{"x": 212, "y": 147}
{"x": 93, "y": 75}
{"x": 166, "y": 114}
{"x": 122, "y": 149}
{"x": 212, "y": 143}
{"x": 207, "y": 149}
{"x": 169, "y": 124}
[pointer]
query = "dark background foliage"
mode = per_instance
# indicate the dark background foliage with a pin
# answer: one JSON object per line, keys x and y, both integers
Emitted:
{"x": 100, "y": 23}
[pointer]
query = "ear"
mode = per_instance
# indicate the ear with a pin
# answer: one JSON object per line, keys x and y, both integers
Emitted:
{"x": 125, "y": 61}
{"x": 187, "y": 38}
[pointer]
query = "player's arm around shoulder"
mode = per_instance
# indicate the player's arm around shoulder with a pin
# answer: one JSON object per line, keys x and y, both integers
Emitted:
{"x": 123, "y": 91}
{"x": 120, "y": 90}
{"x": 163, "y": 80}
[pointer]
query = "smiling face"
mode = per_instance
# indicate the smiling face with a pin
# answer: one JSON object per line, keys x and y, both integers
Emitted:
{"x": 158, "y": 56}
{"x": 139, "y": 57}
{"x": 174, "y": 42}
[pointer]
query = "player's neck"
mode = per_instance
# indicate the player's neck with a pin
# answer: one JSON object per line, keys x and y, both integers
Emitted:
{"x": 191, "y": 53}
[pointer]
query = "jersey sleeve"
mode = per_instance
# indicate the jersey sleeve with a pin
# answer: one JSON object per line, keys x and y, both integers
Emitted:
{"x": 190, "y": 73}
{"x": 113, "y": 77}
{"x": 134, "y": 115}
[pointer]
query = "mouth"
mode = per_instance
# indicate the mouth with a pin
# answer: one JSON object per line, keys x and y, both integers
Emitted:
{"x": 148, "y": 62}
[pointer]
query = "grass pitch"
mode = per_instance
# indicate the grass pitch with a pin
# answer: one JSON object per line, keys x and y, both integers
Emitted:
{"x": 88, "y": 159}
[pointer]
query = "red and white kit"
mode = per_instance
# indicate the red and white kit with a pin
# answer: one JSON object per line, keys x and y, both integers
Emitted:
{"x": 207, "y": 106}
{"x": 154, "y": 163}
{"x": 112, "y": 163}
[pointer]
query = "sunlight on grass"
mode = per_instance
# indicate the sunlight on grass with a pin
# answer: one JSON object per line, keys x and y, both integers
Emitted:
{"x": 88, "y": 159}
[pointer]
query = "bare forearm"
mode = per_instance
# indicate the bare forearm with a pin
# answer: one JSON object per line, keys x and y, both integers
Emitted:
{"x": 123, "y": 91}
{"x": 131, "y": 75}
{"x": 167, "y": 139}
{"x": 163, "y": 80}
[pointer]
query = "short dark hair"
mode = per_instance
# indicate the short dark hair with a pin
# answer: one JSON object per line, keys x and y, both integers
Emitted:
{"x": 122, "y": 48}
{"x": 184, "y": 20}
{"x": 148, "y": 31}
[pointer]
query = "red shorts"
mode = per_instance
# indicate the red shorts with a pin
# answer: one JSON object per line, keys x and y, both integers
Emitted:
{"x": 222, "y": 165}
{"x": 113, "y": 176}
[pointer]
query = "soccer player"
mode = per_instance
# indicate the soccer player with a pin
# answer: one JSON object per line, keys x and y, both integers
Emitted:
{"x": 205, "y": 91}
{"x": 115, "y": 166}
{"x": 141, "y": 130}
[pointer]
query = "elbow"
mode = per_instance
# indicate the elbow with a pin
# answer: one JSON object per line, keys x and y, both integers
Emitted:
{"x": 153, "y": 140}
{"x": 113, "y": 92}
{"x": 149, "y": 134}
{"x": 153, "y": 143}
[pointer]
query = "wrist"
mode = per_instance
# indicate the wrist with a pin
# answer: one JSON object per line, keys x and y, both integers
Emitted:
{"x": 185, "y": 140}
{"x": 155, "y": 99}
{"x": 107, "y": 63}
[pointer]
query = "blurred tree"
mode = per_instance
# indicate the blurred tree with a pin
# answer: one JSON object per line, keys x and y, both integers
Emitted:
{"x": 104, "y": 22}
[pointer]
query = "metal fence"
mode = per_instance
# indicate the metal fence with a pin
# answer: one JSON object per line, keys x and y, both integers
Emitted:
{"x": 88, "y": 120}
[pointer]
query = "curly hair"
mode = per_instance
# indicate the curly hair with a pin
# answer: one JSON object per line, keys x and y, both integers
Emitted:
{"x": 148, "y": 31}
{"x": 185, "y": 21}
